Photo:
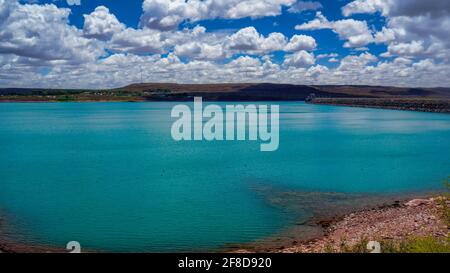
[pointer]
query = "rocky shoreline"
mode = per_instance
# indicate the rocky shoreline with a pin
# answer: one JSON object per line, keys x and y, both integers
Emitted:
{"x": 8, "y": 247}
{"x": 395, "y": 222}
{"x": 406, "y": 104}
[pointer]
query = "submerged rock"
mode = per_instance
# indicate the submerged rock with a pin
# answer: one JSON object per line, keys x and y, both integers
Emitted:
{"x": 418, "y": 202}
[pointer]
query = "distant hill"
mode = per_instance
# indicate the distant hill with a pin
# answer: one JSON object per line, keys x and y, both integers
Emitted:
{"x": 229, "y": 91}
{"x": 38, "y": 91}
{"x": 268, "y": 91}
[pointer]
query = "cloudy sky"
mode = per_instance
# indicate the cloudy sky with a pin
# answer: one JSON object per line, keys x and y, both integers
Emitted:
{"x": 111, "y": 43}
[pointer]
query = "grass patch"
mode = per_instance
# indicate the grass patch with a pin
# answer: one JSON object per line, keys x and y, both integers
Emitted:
{"x": 442, "y": 201}
{"x": 425, "y": 245}
{"x": 428, "y": 244}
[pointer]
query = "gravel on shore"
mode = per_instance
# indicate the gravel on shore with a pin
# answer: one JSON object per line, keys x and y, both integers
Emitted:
{"x": 408, "y": 104}
{"x": 418, "y": 217}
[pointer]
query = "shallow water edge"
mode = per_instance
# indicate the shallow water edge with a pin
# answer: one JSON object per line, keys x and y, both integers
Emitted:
{"x": 325, "y": 211}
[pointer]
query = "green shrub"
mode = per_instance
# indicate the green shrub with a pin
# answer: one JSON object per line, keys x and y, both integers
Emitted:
{"x": 425, "y": 245}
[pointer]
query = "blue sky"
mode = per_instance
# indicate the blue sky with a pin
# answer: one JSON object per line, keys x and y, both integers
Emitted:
{"x": 102, "y": 43}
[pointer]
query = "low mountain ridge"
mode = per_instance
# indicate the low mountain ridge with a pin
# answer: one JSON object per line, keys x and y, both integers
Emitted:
{"x": 215, "y": 92}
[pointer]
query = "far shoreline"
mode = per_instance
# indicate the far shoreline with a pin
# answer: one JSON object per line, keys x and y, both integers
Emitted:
{"x": 437, "y": 106}
{"x": 426, "y": 99}
{"x": 441, "y": 106}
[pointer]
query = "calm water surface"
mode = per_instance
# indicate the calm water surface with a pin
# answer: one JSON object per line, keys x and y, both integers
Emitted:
{"x": 110, "y": 176}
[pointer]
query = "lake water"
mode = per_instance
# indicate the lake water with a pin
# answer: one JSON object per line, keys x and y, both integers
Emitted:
{"x": 110, "y": 176}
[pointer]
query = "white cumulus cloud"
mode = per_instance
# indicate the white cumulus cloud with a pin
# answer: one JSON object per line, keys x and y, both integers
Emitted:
{"x": 301, "y": 42}
{"x": 300, "y": 59}
{"x": 168, "y": 14}
{"x": 74, "y": 2}
{"x": 101, "y": 24}
{"x": 301, "y": 6}
{"x": 250, "y": 40}
{"x": 414, "y": 27}
{"x": 42, "y": 32}
{"x": 355, "y": 32}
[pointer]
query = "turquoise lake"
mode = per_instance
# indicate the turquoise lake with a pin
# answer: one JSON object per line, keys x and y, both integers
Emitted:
{"x": 110, "y": 176}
